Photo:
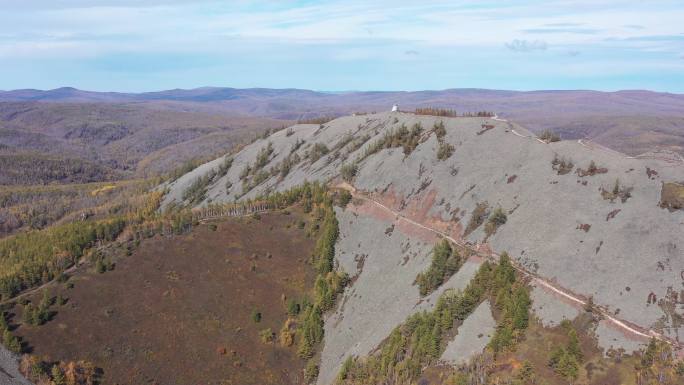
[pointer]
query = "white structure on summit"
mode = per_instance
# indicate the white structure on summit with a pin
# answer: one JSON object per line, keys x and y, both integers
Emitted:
{"x": 395, "y": 108}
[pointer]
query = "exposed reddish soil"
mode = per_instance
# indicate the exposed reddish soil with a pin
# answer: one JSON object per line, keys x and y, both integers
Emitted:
{"x": 418, "y": 209}
{"x": 179, "y": 310}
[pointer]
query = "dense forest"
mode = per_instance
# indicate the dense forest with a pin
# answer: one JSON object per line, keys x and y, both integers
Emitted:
{"x": 37, "y": 207}
{"x": 36, "y": 169}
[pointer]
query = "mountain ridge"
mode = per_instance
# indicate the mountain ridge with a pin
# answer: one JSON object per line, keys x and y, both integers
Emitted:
{"x": 574, "y": 224}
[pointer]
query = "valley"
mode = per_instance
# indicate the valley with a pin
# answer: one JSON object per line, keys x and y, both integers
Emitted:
{"x": 533, "y": 226}
{"x": 341, "y": 192}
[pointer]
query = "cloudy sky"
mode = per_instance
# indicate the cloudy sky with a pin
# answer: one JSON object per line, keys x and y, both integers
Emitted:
{"x": 337, "y": 45}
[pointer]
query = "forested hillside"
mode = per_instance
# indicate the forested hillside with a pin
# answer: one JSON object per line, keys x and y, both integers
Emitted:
{"x": 75, "y": 142}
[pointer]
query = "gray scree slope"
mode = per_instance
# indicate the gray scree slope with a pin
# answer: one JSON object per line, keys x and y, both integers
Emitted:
{"x": 473, "y": 336}
{"x": 623, "y": 257}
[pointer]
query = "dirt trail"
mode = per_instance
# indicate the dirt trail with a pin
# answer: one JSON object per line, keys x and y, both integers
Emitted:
{"x": 623, "y": 325}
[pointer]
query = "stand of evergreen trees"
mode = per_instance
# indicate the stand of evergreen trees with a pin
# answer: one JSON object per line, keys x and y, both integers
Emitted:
{"x": 420, "y": 340}
{"x": 445, "y": 262}
{"x": 36, "y": 257}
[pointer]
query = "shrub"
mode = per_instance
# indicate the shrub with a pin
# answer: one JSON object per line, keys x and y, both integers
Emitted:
{"x": 618, "y": 191}
{"x": 287, "y": 332}
{"x": 311, "y": 370}
{"x": 566, "y": 360}
{"x": 100, "y": 266}
{"x": 549, "y": 136}
{"x": 348, "y": 171}
{"x": 36, "y": 315}
{"x": 225, "y": 166}
{"x": 496, "y": 219}
{"x": 562, "y": 165}
{"x": 592, "y": 167}
{"x": 293, "y": 308}
{"x": 263, "y": 156}
{"x": 196, "y": 192}
{"x": 591, "y": 170}
{"x": 345, "y": 198}
{"x": 256, "y": 316}
{"x": 11, "y": 341}
{"x": 267, "y": 336}
{"x": 287, "y": 163}
{"x": 440, "y": 130}
{"x": 245, "y": 172}
{"x": 58, "y": 377}
{"x": 477, "y": 218}
{"x": 444, "y": 151}
{"x": 317, "y": 151}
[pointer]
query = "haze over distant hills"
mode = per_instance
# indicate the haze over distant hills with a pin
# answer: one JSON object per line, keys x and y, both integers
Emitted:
{"x": 109, "y": 135}
{"x": 632, "y": 121}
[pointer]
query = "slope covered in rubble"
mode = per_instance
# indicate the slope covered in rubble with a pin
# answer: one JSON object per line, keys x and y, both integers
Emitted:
{"x": 587, "y": 224}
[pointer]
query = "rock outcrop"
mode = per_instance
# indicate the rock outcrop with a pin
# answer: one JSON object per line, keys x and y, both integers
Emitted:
{"x": 596, "y": 234}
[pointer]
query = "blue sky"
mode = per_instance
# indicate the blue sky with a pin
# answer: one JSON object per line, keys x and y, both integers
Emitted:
{"x": 128, "y": 45}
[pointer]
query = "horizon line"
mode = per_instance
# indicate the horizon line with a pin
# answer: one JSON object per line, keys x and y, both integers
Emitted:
{"x": 339, "y": 91}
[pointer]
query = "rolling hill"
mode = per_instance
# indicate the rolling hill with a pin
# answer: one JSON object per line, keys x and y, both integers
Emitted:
{"x": 629, "y": 121}
{"x": 87, "y": 142}
{"x": 590, "y": 227}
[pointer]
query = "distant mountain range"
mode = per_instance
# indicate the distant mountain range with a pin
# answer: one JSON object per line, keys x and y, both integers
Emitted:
{"x": 632, "y": 122}
{"x": 288, "y": 103}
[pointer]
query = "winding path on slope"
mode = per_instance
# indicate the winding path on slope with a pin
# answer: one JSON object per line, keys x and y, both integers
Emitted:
{"x": 623, "y": 325}
{"x": 516, "y": 133}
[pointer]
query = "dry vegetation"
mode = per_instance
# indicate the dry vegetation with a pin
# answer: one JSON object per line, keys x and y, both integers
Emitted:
{"x": 618, "y": 191}
{"x": 316, "y": 120}
{"x": 24, "y": 208}
{"x": 562, "y": 165}
{"x": 203, "y": 289}
{"x": 445, "y": 149}
{"x": 403, "y": 137}
{"x": 477, "y": 218}
{"x": 72, "y": 142}
{"x": 672, "y": 196}
{"x": 591, "y": 170}
{"x": 549, "y": 136}
{"x": 446, "y": 112}
{"x": 283, "y": 261}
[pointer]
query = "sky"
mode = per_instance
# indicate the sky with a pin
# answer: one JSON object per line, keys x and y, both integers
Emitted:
{"x": 134, "y": 46}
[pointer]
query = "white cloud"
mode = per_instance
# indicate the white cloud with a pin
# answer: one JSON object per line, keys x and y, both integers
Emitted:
{"x": 380, "y": 33}
{"x": 527, "y": 45}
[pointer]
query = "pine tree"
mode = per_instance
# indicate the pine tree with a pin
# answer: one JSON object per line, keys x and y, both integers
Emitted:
{"x": 57, "y": 375}
{"x": 11, "y": 342}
